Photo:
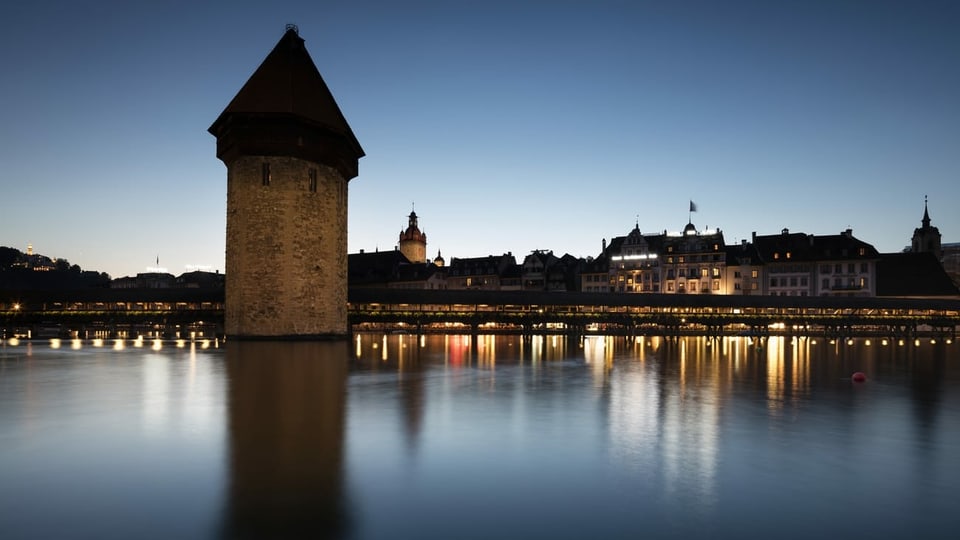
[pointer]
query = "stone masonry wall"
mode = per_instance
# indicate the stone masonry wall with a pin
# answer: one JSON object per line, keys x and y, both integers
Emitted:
{"x": 286, "y": 258}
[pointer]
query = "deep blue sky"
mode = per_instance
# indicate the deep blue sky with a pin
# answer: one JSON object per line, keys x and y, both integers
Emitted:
{"x": 511, "y": 125}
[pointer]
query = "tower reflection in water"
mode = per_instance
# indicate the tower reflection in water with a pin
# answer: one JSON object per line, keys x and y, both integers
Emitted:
{"x": 286, "y": 408}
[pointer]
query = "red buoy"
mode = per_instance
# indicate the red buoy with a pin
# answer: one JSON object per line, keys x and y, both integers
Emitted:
{"x": 859, "y": 376}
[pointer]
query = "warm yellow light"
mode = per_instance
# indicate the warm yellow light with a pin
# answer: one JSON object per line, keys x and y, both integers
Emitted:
{"x": 205, "y": 344}
{"x": 180, "y": 343}
{"x": 76, "y": 344}
{"x": 916, "y": 343}
{"x": 849, "y": 342}
{"x": 118, "y": 344}
{"x": 98, "y": 342}
{"x": 16, "y": 307}
{"x": 900, "y": 343}
{"x": 54, "y": 343}
{"x": 933, "y": 342}
{"x": 867, "y": 343}
{"x": 14, "y": 341}
{"x": 157, "y": 345}
{"x": 883, "y": 342}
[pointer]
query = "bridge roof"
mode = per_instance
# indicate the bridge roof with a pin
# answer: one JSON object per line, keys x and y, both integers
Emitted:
{"x": 412, "y": 296}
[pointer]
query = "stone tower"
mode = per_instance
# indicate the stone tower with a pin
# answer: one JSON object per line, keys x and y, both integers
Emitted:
{"x": 289, "y": 154}
{"x": 926, "y": 238}
{"x": 413, "y": 242}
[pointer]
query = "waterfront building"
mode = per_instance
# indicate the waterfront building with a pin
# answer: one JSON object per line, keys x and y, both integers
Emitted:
{"x": 789, "y": 260}
{"x": 534, "y": 269}
{"x": 595, "y": 273}
{"x": 634, "y": 262}
{"x": 694, "y": 262}
{"x": 289, "y": 154}
{"x": 490, "y": 273}
{"x": 743, "y": 270}
{"x": 799, "y": 264}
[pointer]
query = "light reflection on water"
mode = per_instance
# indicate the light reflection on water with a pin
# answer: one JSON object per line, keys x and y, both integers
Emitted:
{"x": 402, "y": 436}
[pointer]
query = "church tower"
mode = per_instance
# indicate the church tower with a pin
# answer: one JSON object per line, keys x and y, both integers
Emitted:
{"x": 926, "y": 238}
{"x": 289, "y": 154}
{"x": 413, "y": 243}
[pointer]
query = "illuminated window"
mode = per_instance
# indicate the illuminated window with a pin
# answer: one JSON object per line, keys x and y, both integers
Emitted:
{"x": 788, "y": 254}
{"x": 716, "y": 272}
{"x": 266, "y": 174}
{"x": 753, "y": 286}
{"x": 753, "y": 274}
{"x": 704, "y": 272}
{"x": 680, "y": 259}
{"x": 716, "y": 284}
{"x": 312, "y": 175}
{"x": 863, "y": 251}
{"x": 776, "y": 255}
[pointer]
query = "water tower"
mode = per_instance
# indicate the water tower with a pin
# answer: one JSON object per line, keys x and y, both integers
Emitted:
{"x": 289, "y": 154}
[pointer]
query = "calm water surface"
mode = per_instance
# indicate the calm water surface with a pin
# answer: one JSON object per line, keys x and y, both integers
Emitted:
{"x": 491, "y": 437}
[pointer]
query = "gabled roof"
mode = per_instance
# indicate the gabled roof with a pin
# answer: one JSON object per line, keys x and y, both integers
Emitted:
{"x": 480, "y": 266}
{"x": 375, "y": 268}
{"x": 913, "y": 274}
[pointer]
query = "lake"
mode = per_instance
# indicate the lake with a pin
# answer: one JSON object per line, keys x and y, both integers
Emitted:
{"x": 402, "y": 436}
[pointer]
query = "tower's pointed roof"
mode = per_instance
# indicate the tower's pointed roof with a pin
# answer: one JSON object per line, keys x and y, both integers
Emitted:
{"x": 287, "y": 85}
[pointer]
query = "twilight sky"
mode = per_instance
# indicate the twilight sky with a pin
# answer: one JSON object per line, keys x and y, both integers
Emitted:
{"x": 511, "y": 125}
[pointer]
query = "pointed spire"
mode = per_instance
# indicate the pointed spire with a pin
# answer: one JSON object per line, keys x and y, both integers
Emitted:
{"x": 926, "y": 214}
{"x": 285, "y": 108}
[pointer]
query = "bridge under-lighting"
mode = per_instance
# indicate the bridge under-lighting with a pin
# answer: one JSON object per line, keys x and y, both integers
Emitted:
{"x": 649, "y": 314}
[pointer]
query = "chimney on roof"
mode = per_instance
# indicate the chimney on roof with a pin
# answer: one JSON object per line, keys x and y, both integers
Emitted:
{"x": 785, "y": 231}
{"x": 754, "y": 237}
{"x": 848, "y": 233}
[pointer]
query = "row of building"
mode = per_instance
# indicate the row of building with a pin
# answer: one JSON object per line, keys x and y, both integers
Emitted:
{"x": 689, "y": 262}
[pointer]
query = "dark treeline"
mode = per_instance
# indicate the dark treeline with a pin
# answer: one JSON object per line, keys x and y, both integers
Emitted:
{"x": 20, "y": 270}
